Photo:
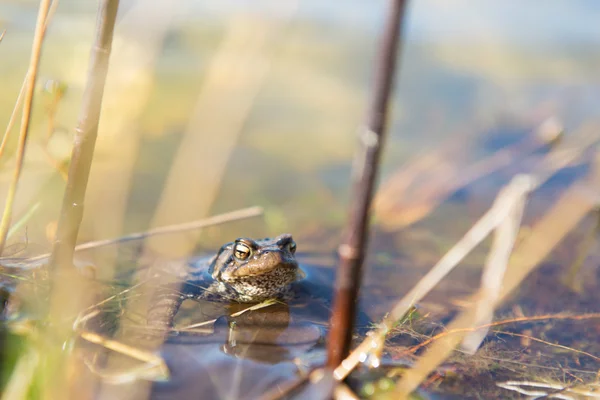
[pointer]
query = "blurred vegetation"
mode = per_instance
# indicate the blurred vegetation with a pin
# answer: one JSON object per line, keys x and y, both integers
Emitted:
{"x": 293, "y": 153}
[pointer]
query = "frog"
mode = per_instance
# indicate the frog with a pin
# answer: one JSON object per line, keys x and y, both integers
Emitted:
{"x": 242, "y": 271}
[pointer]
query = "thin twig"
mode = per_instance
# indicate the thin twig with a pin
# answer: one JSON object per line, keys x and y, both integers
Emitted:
{"x": 364, "y": 174}
{"x": 186, "y": 226}
{"x": 34, "y": 62}
{"x": 163, "y": 230}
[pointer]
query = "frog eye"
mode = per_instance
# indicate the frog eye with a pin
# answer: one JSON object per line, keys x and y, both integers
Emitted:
{"x": 241, "y": 251}
{"x": 292, "y": 247}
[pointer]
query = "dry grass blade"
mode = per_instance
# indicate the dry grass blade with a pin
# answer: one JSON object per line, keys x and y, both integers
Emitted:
{"x": 2, "y": 35}
{"x": 154, "y": 367}
{"x": 561, "y": 219}
{"x": 34, "y": 62}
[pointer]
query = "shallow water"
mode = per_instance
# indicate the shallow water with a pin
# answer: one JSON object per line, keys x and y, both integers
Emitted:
{"x": 494, "y": 70}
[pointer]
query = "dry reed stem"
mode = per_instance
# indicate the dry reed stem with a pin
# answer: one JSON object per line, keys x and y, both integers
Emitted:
{"x": 13, "y": 115}
{"x": 31, "y": 78}
{"x": 566, "y": 213}
{"x": 85, "y": 140}
{"x": 505, "y": 236}
{"x": 2, "y": 35}
{"x": 553, "y": 162}
{"x": 71, "y": 292}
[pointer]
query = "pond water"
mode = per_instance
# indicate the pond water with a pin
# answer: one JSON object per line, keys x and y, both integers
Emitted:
{"x": 218, "y": 105}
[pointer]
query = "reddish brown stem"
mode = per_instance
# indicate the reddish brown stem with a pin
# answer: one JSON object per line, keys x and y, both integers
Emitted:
{"x": 364, "y": 174}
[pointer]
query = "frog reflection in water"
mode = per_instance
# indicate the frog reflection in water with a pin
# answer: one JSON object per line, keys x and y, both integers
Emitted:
{"x": 244, "y": 271}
